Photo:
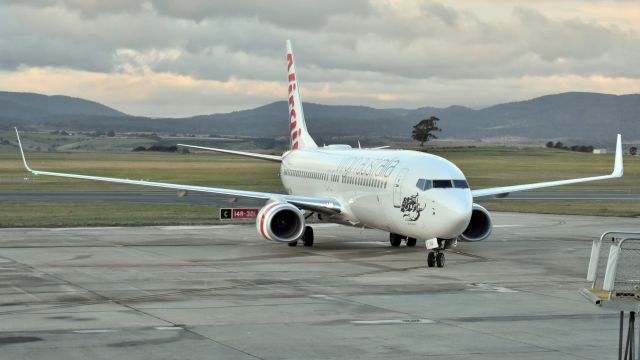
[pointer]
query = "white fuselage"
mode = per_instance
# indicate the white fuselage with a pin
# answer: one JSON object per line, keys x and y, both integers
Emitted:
{"x": 382, "y": 189}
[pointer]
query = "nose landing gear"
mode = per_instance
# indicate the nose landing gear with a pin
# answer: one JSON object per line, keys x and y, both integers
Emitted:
{"x": 435, "y": 258}
{"x": 436, "y": 248}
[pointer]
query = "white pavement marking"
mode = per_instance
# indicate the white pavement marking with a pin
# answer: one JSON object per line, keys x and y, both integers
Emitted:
{"x": 491, "y": 288}
{"x": 94, "y": 331}
{"x": 384, "y": 243}
{"x": 168, "y": 328}
{"x": 393, "y": 321}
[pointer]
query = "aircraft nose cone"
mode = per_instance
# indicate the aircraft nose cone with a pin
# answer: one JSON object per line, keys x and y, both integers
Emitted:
{"x": 458, "y": 207}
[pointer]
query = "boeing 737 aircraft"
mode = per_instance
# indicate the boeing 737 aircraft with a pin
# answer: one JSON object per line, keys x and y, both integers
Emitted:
{"x": 412, "y": 195}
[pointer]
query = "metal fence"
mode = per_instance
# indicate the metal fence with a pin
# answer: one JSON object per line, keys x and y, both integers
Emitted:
{"x": 615, "y": 263}
{"x": 628, "y": 270}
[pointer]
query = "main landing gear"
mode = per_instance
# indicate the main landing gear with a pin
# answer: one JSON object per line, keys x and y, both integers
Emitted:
{"x": 307, "y": 237}
{"x": 396, "y": 239}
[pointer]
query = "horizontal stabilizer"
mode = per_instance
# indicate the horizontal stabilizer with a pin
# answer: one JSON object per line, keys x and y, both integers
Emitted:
{"x": 241, "y": 153}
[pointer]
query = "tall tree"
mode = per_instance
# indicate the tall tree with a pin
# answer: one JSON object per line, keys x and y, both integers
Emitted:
{"x": 424, "y": 130}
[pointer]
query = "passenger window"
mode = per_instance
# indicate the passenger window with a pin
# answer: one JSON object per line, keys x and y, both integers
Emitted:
{"x": 442, "y": 184}
{"x": 460, "y": 184}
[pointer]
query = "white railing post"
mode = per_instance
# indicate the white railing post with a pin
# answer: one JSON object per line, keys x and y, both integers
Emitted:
{"x": 612, "y": 268}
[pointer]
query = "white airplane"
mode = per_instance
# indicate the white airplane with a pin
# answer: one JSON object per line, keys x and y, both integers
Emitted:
{"x": 412, "y": 195}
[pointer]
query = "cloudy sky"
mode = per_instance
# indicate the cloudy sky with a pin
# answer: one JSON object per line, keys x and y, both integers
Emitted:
{"x": 180, "y": 58}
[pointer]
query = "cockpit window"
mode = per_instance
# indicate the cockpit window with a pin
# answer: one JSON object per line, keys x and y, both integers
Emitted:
{"x": 424, "y": 184}
{"x": 442, "y": 184}
{"x": 460, "y": 184}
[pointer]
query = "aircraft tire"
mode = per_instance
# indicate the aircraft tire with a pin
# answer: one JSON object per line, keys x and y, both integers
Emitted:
{"x": 431, "y": 259}
{"x": 440, "y": 260}
{"x": 307, "y": 237}
{"x": 293, "y": 243}
{"x": 395, "y": 239}
{"x": 411, "y": 242}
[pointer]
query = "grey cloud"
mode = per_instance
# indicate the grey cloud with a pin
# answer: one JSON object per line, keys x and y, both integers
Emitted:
{"x": 447, "y": 14}
{"x": 565, "y": 39}
{"x": 442, "y": 42}
{"x": 336, "y": 42}
{"x": 285, "y": 13}
{"x": 91, "y": 8}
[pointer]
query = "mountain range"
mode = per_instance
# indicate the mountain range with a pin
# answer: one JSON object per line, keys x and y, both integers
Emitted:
{"x": 581, "y": 117}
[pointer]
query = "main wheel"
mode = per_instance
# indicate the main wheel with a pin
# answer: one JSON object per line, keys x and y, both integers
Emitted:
{"x": 411, "y": 242}
{"x": 395, "y": 239}
{"x": 307, "y": 237}
{"x": 293, "y": 243}
{"x": 440, "y": 260}
{"x": 431, "y": 259}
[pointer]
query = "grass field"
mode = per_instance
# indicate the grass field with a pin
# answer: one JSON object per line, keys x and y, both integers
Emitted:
{"x": 484, "y": 167}
{"x": 38, "y": 214}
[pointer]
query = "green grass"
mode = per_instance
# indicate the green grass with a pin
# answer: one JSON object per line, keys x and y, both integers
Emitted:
{"x": 568, "y": 207}
{"x": 497, "y": 166}
{"x": 36, "y": 214}
{"x": 484, "y": 167}
{"x": 204, "y": 169}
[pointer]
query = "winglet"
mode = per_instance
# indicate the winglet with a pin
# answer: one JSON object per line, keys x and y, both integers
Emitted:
{"x": 618, "y": 167}
{"x": 24, "y": 160}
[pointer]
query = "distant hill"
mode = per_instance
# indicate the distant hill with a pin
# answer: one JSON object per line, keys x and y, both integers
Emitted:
{"x": 29, "y": 106}
{"x": 580, "y": 117}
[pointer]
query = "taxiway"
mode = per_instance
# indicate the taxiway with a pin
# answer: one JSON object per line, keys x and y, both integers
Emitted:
{"x": 220, "y": 292}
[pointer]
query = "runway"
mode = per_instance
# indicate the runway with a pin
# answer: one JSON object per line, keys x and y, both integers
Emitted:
{"x": 220, "y": 292}
{"x": 199, "y": 198}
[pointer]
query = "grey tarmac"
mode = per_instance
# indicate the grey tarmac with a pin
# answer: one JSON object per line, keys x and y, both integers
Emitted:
{"x": 221, "y": 292}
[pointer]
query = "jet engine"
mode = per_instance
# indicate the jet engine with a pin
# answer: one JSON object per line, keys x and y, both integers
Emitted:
{"x": 479, "y": 227}
{"x": 280, "y": 222}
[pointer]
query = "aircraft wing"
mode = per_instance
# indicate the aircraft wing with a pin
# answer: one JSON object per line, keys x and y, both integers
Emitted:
{"x": 241, "y": 153}
{"x": 307, "y": 203}
{"x": 505, "y": 190}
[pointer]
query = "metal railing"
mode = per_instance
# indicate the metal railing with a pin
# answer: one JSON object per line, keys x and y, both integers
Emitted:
{"x": 623, "y": 261}
{"x": 620, "y": 286}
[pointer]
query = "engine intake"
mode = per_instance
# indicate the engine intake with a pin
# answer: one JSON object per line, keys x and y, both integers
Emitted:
{"x": 280, "y": 222}
{"x": 479, "y": 227}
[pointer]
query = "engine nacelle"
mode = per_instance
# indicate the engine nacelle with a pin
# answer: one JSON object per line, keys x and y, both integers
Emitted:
{"x": 280, "y": 222}
{"x": 479, "y": 227}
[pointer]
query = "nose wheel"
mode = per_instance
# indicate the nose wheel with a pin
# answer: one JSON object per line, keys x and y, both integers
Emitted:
{"x": 435, "y": 258}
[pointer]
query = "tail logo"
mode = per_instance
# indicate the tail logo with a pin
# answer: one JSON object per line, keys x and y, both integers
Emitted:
{"x": 294, "y": 130}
